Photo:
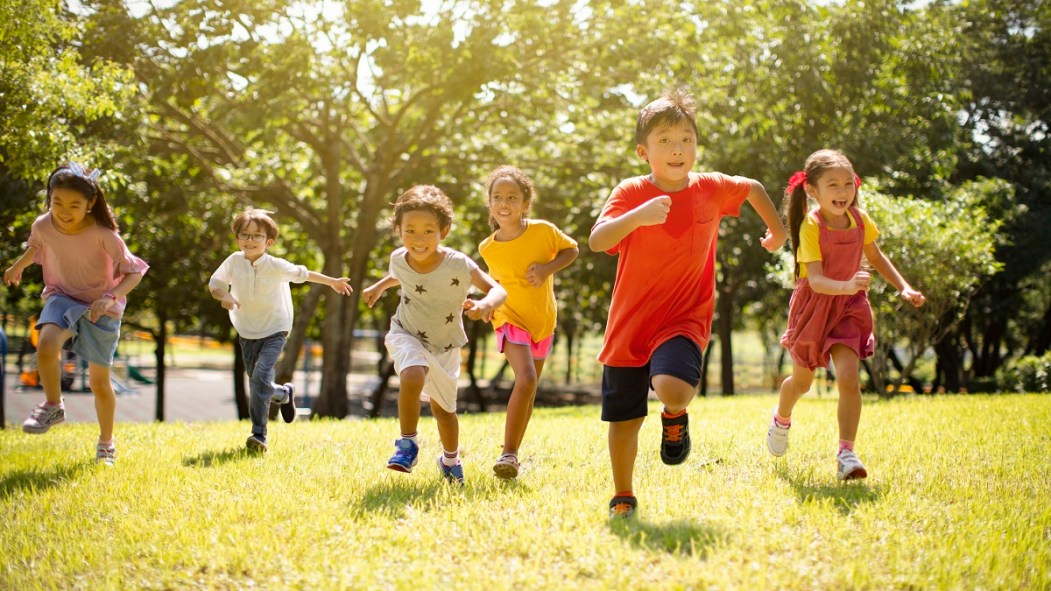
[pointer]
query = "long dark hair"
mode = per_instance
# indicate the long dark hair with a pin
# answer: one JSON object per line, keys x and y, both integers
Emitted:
{"x": 73, "y": 176}
{"x": 796, "y": 196}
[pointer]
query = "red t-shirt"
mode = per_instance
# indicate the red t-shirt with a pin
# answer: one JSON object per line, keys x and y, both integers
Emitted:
{"x": 665, "y": 283}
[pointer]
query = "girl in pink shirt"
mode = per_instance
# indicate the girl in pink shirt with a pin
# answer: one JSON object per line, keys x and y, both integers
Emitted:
{"x": 88, "y": 271}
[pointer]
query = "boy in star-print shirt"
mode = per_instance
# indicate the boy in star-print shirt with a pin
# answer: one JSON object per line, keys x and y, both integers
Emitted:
{"x": 426, "y": 332}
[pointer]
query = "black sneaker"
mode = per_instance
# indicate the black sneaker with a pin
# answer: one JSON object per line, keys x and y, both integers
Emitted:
{"x": 622, "y": 507}
{"x": 288, "y": 409}
{"x": 675, "y": 439}
{"x": 257, "y": 443}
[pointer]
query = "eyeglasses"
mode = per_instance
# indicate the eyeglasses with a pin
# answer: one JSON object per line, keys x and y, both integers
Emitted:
{"x": 251, "y": 237}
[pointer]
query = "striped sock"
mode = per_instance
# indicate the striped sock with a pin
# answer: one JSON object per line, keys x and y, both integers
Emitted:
{"x": 449, "y": 458}
{"x": 411, "y": 437}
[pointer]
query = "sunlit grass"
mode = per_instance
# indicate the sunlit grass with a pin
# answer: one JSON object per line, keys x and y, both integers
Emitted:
{"x": 957, "y": 499}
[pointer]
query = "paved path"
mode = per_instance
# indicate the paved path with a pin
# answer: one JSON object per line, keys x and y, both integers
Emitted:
{"x": 191, "y": 395}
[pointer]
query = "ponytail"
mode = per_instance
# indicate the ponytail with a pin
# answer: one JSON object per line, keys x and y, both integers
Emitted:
{"x": 795, "y": 211}
{"x": 73, "y": 176}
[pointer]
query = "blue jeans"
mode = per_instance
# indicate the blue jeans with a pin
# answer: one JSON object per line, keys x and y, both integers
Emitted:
{"x": 260, "y": 358}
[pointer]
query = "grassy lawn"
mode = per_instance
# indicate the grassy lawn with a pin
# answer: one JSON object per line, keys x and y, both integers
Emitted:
{"x": 957, "y": 498}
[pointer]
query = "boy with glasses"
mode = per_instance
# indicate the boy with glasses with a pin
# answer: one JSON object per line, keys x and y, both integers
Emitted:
{"x": 253, "y": 286}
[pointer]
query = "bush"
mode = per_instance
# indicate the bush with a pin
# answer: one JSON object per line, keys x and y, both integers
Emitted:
{"x": 1028, "y": 374}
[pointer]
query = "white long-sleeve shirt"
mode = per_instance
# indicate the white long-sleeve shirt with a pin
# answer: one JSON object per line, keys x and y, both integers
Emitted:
{"x": 261, "y": 289}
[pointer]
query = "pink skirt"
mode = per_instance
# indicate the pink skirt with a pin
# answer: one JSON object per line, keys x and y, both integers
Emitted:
{"x": 818, "y": 321}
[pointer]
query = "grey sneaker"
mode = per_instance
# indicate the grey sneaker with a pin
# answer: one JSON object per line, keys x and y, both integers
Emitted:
{"x": 849, "y": 467}
{"x": 256, "y": 443}
{"x": 507, "y": 466}
{"x": 105, "y": 454}
{"x": 43, "y": 417}
{"x": 776, "y": 437}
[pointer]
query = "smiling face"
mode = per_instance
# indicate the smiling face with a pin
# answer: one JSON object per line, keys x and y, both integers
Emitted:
{"x": 69, "y": 210}
{"x": 834, "y": 191}
{"x": 420, "y": 234}
{"x": 252, "y": 241}
{"x": 507, "y": 204}
{"x": 671, "y": 151}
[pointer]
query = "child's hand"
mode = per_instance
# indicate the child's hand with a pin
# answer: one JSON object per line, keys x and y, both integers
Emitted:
{"x": 859, "y": 282}
{"x": 99, "y": 307}
{"x": 536, "y": 274}
{"x": 371, "y": 294}
{"x": 342, "y": 286}
{"x": 477, "y": 310}
{"x": 654, "y": 212}
{"x": 229, "y": 302}
{"x": 913, "y": 297}
{"x": 12, "y": 276}
{"x": 770, "y": 243}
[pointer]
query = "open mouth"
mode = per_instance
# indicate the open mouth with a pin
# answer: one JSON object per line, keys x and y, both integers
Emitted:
{"x": 842, "y": 203}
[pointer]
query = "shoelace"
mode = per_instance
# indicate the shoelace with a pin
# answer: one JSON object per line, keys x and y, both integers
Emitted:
{"x": 622, "y": 509}
{"x": 672, "y": 433}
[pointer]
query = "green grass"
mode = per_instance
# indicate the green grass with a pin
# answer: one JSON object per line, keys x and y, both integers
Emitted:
{"x": 957, "y": 498}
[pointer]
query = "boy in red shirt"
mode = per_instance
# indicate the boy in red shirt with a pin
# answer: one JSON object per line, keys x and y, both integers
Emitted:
{"x": 664, "y": 226}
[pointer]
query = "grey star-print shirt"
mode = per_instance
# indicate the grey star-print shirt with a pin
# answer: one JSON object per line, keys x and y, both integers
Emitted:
{"x": 431, "y": 304}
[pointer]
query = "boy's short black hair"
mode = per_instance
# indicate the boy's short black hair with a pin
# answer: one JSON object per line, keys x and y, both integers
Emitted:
{"x": 262, "y": 219}
{"x": 673, "y": 108}
{"x": 424, "y": 198}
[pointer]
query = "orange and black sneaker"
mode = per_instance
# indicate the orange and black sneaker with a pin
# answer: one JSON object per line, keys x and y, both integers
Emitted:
{"x": 622, "y": 506}
{"x": 675, "y": 438}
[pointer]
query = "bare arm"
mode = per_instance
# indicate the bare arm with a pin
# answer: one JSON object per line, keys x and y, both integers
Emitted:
{"x": 885, "y": 267}
{"x": 495, "y": 296}
{"x": 608, "y": 233}
{"x": 822, "y": 284}
{"x": 340, "y": 286}
{"x": 775, "y": 230}
{"x": 372, "y": 293}
{"x": 13, "y": 275}
{"x": 537, "y": 273}
{"x": 103, "y": 304}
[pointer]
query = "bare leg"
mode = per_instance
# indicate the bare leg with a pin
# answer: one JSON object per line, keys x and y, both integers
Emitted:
{"x": 520, "y": 405}
{"x": 793, "y": 388}
{"x": 409, "y": 397}
{"x": 448, "y": 427}
{"x": 846, "y": 363}
{"x": 623, "y": 448}
{"x": 49, "y": 360}
{"x": 105, "y": 399}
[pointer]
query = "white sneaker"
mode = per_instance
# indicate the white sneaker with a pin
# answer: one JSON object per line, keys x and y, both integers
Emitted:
{"x": 776, "y": 437}
{"x": 43, "y": 417}
{"x": 105, "y": 454}
{"x": 849, "y": 467}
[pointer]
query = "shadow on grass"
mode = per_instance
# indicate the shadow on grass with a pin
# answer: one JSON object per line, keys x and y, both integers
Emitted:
{"x": 400, "y": 494}
{"x": 40, "y": 479}
{"x": 681, "y": 538}
{"x": 211, "y": 458}
{"x": 845, "y": 496}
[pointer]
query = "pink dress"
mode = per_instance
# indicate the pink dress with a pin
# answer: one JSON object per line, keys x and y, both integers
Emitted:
{"x": 817, "y": 321}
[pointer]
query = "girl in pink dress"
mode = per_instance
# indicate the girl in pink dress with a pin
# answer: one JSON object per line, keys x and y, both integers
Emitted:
{"x": 88, "y": 272}
{"x": 829, "y": 317}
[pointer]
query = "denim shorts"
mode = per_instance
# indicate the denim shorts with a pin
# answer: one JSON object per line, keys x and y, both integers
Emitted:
{"x": 625, "y": 390}
{"x": 93, "y": 341}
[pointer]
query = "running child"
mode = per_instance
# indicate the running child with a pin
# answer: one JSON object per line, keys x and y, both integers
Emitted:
{"x": 664, "y": 226}
{"x": 829, "y": 317}
{"x": 426, "y": 332}
{"x": 523, "y": 255}
{"x": 88, "y": 272}
{"x": 254, "y": 286}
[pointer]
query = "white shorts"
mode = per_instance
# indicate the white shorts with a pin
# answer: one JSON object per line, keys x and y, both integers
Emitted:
{"x": 443, "y": 369}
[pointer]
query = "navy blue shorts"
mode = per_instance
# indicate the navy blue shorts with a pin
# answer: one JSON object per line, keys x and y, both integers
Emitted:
{"x": 625, "y": 390}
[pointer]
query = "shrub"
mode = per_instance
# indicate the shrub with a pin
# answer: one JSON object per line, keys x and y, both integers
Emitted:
{"x": 1028, "y": 374}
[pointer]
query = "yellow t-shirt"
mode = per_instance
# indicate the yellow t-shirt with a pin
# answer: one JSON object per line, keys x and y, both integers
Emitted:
{"x": 810, "y": 233}
{"x": 527, "y": 307}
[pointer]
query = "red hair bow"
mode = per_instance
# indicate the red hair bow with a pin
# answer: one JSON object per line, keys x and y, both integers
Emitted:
{"x": 857, "y": 181}
{"x": 797, "y": 178}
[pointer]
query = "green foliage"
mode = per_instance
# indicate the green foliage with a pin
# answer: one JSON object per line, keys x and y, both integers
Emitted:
{"x": 1027, "y": 374}
{"x": 186, "y": 508}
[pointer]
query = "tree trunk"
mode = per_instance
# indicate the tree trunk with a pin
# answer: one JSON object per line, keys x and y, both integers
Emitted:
{"x": 159, "y": 356}
{"x": 286, "y": 366}
{"x": 704, "y": 369}
{"x": 240, "y": 391}
{"x": 1041, "y": 341}
{"x": 725, "y": 327}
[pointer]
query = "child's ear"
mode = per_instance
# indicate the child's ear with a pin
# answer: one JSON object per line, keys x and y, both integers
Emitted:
{"x": 641, "y": 151}
{"x": 445, "y": 231}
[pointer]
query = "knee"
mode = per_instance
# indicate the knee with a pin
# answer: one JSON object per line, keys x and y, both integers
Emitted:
{"x": 413, "y": 377}
{"x": 527, "y": 381}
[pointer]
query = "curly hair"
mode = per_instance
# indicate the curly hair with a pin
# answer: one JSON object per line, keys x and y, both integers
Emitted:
{"x": 424, "y": 198}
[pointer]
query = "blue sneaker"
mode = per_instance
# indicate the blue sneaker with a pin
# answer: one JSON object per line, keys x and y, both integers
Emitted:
{"x": 404, "y": 458}
{"x": 256, "y": 443}
{"x": 452, "y": 473}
